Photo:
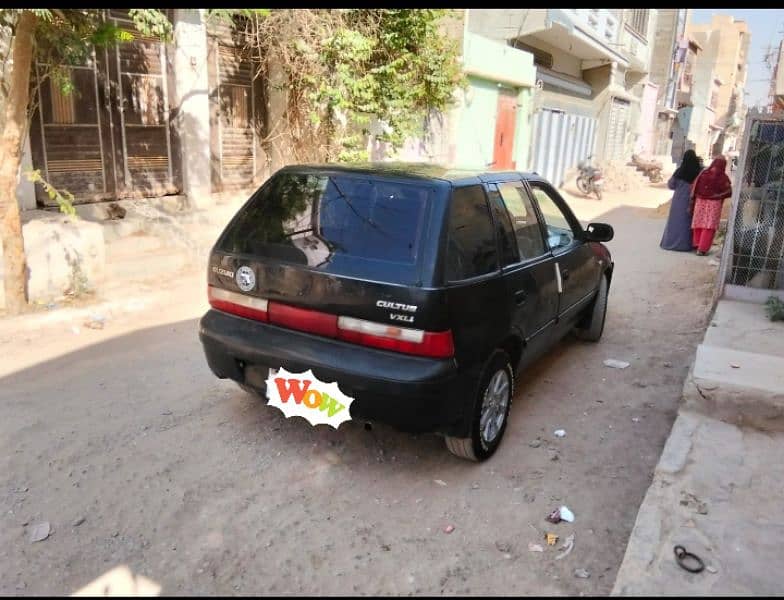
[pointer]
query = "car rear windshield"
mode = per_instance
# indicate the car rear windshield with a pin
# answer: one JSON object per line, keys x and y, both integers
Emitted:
{"x": 349, "y": 225}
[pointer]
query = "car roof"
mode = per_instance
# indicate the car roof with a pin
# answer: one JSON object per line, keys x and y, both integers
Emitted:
{"x": 426, "y": 171}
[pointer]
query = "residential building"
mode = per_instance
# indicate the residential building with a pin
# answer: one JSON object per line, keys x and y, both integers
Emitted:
{"x": 776, "y": 104}
{"x": 668, "y": 60}
{"x": 725, "y": 43}
{"x": 691, "y": 129}
{"x": 588, "y": 61}
{"x": 489, "y": 125}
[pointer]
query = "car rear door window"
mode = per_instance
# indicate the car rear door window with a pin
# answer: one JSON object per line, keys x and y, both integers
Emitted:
{"x": 524, "y": 220}
{"x": 471, "y": 245}
{"x": 560, "y": 232}
{"x": 507, "y": 245}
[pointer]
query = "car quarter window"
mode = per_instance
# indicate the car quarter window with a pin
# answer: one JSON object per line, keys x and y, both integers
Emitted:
{"x": 471, "y": 245}
{"x": 560, "y": 233}
{"x": 524, "y": 220}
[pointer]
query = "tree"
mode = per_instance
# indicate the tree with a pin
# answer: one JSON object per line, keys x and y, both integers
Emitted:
{"x": 57, "y": 38}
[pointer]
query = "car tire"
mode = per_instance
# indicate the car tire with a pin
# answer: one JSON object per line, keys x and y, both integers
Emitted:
{"x": 491, "y": 411}
{"x": 592, "y": 332}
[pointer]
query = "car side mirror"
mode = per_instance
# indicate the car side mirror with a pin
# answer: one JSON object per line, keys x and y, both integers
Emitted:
{"x": 599, "y": 232}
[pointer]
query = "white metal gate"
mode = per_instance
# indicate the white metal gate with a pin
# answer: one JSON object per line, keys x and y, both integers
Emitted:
{"x": 559, "y": 142}
{"x": 616, "y": 132}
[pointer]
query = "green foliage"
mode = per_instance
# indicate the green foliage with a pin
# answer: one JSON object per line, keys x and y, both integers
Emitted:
{"x": 346, "y": 66}
{"x": 398, "y": 69}
{"x": 229, "y": 14}
{"x": 64, "y": 198}
{"x": 66, "y": 37}
{"x": 152, "y": 22}
{"x": 775, "y": 309}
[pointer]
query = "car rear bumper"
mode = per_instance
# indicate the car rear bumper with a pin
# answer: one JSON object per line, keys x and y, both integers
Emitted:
{"x": 410, "y": 393}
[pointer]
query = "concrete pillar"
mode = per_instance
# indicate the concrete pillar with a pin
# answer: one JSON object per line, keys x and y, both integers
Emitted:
{"x": 25, "y": 191}
{"x": 191, "y": 96}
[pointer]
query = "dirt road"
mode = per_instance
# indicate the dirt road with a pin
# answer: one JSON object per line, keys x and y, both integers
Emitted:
{"x": 203, "y": 489}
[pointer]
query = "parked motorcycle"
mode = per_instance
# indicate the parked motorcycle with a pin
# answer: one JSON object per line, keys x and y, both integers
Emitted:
{"x": 590, "y": 178}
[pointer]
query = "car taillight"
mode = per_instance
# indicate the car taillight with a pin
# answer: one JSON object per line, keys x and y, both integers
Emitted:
{"x": 399, "y": 339}
{"x": 310, "y": 321}
{"x": 241, "y": 305}
{"x": 356, "y": 331}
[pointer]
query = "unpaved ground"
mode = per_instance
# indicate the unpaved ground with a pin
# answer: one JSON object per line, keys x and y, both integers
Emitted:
{"x": 204, "y": 490}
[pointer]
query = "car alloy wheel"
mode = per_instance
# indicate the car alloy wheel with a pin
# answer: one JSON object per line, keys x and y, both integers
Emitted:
{"x": 494, "y": 405}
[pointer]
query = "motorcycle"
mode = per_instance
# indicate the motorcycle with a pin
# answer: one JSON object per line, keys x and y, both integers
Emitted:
{"x": 590, "y": 179}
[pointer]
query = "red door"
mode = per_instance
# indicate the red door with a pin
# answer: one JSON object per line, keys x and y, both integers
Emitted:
{"x": 505, "y": 130}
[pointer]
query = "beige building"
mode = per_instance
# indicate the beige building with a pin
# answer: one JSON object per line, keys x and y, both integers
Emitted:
{"x": 724, "y": 57}
{"x": 592, "y": 96}
{"x": 671, "y": 52}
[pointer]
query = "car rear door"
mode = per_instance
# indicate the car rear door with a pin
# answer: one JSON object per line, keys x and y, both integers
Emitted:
{"x": 528, "y": 271}
{"x": 476, "y": 294}
{"x": 576, "y": 267}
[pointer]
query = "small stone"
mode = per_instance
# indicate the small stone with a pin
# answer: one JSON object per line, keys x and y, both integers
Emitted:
{"x": 440, "y": 482}
{"x": 735, "y": 366}
{"x": 711, "y": 569}
{"x": 582, "y": 573}
{"x": 449, "y": 529}
{"x": 166, "y": 412}
{"x": 635, "y": 419}
{"x": 475, "y": 486}
{"x": 535, "y": 547}
{"x": 559, "y": 433}
{"x": 615, "y": 364}
{"x": 40, "y": 532}
{"x": 115, "y": 534}
{"x": 535, "y": 443}
{"x": 79, "y": 521}
{"x": 668, "y": 364}
{"x": 702, "y": 508}
{"x": 503, "y": 546}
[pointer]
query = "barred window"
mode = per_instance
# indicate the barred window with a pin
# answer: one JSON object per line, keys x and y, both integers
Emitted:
{"x": 637, "y": 21}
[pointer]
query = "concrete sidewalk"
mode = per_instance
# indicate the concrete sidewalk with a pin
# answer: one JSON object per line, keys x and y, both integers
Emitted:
{"x": 718, "y": 486}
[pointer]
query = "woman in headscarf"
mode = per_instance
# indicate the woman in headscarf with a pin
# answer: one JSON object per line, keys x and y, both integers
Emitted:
{"x": 711, "y": 187}
{"x": 677, "y": 234}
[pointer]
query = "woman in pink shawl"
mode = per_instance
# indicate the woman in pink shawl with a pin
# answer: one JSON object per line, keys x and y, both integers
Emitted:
{"x": 711, "y": 187}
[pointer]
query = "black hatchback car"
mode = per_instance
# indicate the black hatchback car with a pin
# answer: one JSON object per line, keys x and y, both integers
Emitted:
{"x": 421, "y": 291}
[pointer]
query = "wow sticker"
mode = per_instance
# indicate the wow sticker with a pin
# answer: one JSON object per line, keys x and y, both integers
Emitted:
{"x": 303, "y": 395}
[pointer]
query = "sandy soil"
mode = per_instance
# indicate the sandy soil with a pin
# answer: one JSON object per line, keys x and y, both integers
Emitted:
{"x": 205, "y": 490}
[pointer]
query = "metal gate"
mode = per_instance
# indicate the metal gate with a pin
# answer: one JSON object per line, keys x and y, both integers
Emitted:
{"x": 753, "y": 256}
{"x": 560, "y": 142}
{"x": 234, "y": 139}
{"x": 110, "y": 137}
{"x": 616, "y": 132}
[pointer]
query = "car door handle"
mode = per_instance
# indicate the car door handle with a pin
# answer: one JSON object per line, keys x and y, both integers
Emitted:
{"x": 520, "y": 297}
